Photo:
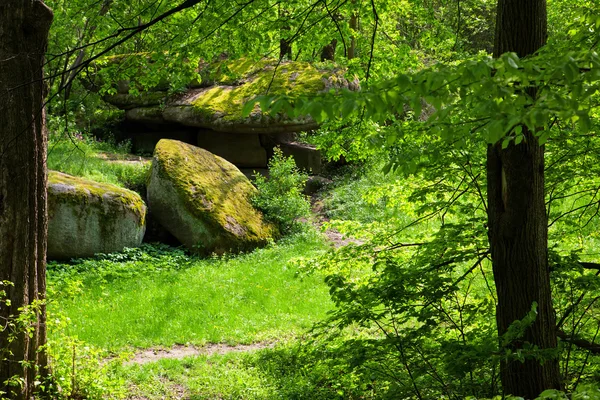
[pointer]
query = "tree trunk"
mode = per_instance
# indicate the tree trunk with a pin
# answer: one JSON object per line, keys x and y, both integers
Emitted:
{"x": 518, "y": 226}
{"x": 24, "y": 26}
{"x": 328, "y": 52}
{"x": 285, "y": 47}
{"x": 354, "y": 27}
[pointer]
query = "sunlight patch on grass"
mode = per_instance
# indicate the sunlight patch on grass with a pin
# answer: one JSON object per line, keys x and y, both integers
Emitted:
{"x": 243, "y": 299}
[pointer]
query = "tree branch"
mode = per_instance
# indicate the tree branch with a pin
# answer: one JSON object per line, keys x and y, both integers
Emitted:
{"x": 579, "y": 342}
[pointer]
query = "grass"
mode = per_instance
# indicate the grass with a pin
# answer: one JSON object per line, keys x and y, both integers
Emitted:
{"x": 86, "y": 157}
{"x": 158, "y": 296}
{"x": 286, "y": 372}
{"x": 205, "y": 377}
{"x": 162, "y": 300}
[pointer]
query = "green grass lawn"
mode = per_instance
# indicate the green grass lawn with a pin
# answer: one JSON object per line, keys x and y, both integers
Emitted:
{"x": 157, "y": 301}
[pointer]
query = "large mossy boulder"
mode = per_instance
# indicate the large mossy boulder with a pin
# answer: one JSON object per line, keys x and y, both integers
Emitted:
{"x": 87, "y": 217}
{"x": 204, "y": 201}
{"x": 216, "y": 101}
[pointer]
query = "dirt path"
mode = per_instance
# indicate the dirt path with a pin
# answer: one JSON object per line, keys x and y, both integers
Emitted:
{"x": 124, "y": 158}
{"x": 180, "y": 351}
{"x": 334, "y": 236}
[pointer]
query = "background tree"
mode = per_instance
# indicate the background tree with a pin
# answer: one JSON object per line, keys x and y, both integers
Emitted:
{"x": 518, "y": 226}
{"x": 509, "y": 106}
{"x": 24, "y": 27}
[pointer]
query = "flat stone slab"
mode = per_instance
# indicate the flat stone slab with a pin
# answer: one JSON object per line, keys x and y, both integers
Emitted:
{"x": 226, "y": 86}
{"x": 306, "y": 156}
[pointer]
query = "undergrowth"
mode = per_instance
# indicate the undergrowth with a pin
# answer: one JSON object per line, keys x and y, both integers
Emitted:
{"x": 280, "y": 196}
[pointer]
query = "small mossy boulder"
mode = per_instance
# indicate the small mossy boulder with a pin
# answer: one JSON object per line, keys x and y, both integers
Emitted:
{"x": 87, "y": 217}
{"x": 204, "y": 201}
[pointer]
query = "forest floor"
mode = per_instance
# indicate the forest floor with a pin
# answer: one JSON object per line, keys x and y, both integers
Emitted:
{"x": 167, "y": 326}
{"x": 155, "y": 323}
{"x": 183, "y": 351}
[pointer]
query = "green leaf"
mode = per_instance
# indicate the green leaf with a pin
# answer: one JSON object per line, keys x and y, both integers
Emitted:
{"x": 513, "y": 60}
{"x": 585, "y": 123}
{"x": 415, "y": 104}
{"x": 348, "y": 108}
{"x": 248, "y": 107}
{"x": 543, "y": 137}
{"x": 265, "y": 102}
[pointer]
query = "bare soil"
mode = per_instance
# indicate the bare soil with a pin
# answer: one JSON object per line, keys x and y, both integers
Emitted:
{"x": 333, "y": 236}
{"x": 181, "y": 351}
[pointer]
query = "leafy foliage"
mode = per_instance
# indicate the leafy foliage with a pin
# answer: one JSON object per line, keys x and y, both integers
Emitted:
{"x": 13, "y": 327}
{"x": 79, "y": 370}
{"x": 280, "y": 195}
{"x": 415, "y": 302}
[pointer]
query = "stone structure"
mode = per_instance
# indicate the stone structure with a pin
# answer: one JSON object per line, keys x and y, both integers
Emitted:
{"x": 209, "y": 113}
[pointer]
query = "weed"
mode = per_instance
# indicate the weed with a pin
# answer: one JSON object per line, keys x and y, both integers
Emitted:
{"x": 280, "y": 196}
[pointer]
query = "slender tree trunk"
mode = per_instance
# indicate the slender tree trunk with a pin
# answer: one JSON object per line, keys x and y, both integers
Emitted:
{"x": 285, "y": 47}
{"x": 518, "y": 226}
{"x": 68, "y": 78}
{"x": 354, "y": 27}
{"x": 24, "y": 26}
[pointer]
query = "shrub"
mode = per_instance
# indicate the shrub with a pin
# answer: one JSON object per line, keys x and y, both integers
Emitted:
{"x": 280, "y": 196}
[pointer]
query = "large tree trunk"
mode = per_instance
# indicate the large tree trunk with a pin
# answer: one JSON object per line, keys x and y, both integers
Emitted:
{"x": 518, "y": 226}
{"x": 24, "y": 26}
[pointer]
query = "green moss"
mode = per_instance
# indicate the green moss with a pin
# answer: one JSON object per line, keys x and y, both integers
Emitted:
{"x": 90, "y": 193}
{"x": 290, "y": 78}
{"x": 215, "y": 192}
{"x": 230, "y": 72}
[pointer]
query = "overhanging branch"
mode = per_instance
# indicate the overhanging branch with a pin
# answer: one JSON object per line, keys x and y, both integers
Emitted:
{"x": 579, "y": 342}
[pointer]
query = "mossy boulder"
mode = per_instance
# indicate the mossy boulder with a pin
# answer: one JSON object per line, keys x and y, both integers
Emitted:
{"x": 204, "y": 201}
{"x": 216, "y": 102}
{"x": 135, "y": 101}
{"x": 87, "y": 217}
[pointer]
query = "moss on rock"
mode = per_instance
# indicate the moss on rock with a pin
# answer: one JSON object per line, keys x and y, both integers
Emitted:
{"x": 217, "y": 101}
{"x": 249, "y": 79}
{"x": 87, "y": 217}
{"x": 204, "y": 201}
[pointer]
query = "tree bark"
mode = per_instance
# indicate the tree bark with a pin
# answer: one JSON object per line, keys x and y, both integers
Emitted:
{"x": 328, "y": 52}
{"x": 24, "y": 26}
{"x": 518, "y": 226}
{"x": 354, "y": 27}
